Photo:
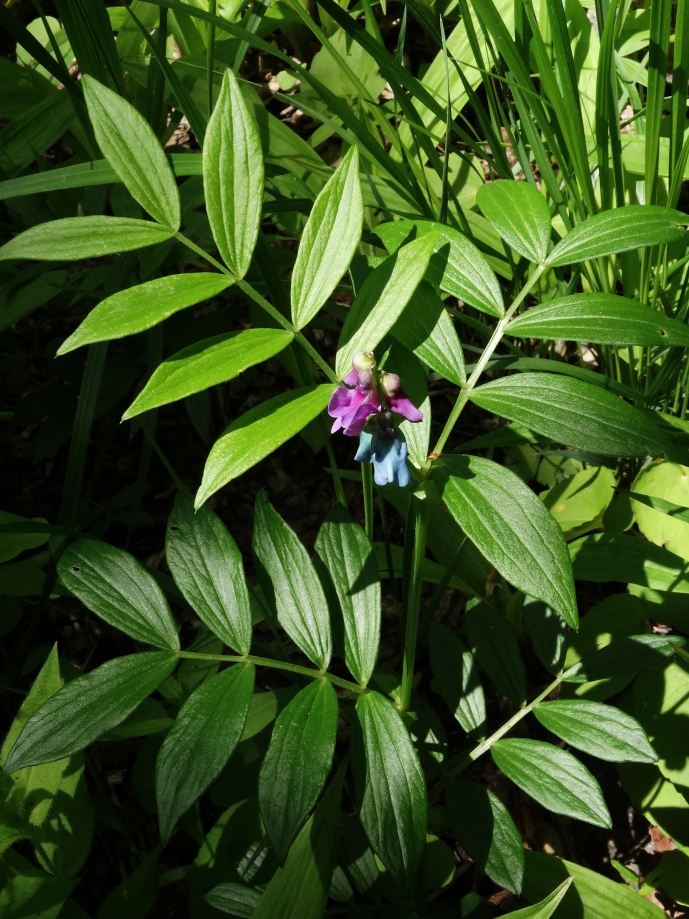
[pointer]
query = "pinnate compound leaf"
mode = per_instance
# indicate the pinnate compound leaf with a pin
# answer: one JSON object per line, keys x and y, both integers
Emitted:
{"x": 393, "y": 807}
{"x": 71, "y": 239}
{"x": 554, "y": 778}
{"x": 626, "y": 655}
{"x": 511, "y": 528}
{"x": 381, "y": 299}
{"x": 299, "y": 597}
{"x": 234, "y": 899}
{"x": 521, "y": 216}
{"x": 495, "y": 646}
{"x": 300, "y": 889}
{"x": 206, "y": 564}
{"x": 457, "y": 678}
{"x": 233, "y": 177}
{"x": 329, "y": 240}
{"x": 116, "y": 587}
{"x": 87, "y": 707}
{"x": 619, "y": 230}
{"x": 486, "y": 832}
{"x": 546, "y": 908}
{"x": 601, "y": 730}
{"x": 134, "y": 152}
{"x": 144, "y": 306}
{"x": 347, "y": 553}
{"x": 201, "y": 741}
{"x": 297, "y": 763}
{"x": 603, "y": 318}
{"x": 207, "y": 363}
{"x": 570, "y": 412}
{"x": 258, "y": 432}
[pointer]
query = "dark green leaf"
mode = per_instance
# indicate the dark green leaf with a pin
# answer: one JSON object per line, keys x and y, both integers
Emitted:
{"x": 201, "y": 741}
{"x": 601, "y": 730}
{"x": 206, "y": 564}
{"x": 457, "y": 678}
{"x": 495, "y": 646}
{"x": 511, "y": 527}
{"x": 297, "y": 763}
{"x": 426, "y": 329}
{"x": 626, "y": 655}
{"x": 521, "y": 216}
{"x": 393, "y": 808}
{"x": 349, "y": 557}
{"x": 486, "y": 832}
{"x": 547, "y": 906}
{"x": 234, "y": 899}
{"x": 135, "y": 896}
{"x": 548, "y": 634}
{"x": 553, "y": 777}
{"x": 301, "y": 604}
{"x": 605, "y": 557}
{"x": 87, "y": 707}
{"x": 112, "y": 584}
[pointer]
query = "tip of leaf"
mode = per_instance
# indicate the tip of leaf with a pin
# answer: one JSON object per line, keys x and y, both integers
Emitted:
{"x": 131, "y": 412}
{"x": 67, "y": 345}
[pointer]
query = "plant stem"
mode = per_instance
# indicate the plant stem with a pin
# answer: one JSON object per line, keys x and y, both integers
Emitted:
{"x": 276, "y": 665}
{"x": 470, "y": 384}
{"x": 367, "y": 486}
{"x": 419, "y": 509}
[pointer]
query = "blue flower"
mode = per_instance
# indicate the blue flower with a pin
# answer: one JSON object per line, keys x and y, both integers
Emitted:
{"x": 386, "y": 448}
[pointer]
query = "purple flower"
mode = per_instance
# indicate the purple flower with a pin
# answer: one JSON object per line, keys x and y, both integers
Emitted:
{"x": 351, "y": 407}
{"x": 397, "y": 398}
{"x": 386, "y": 449}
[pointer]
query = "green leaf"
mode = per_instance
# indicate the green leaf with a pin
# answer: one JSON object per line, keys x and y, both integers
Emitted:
{"x": 603, "y": 318}
{"x": 521, "y": 216}
{"x": 495, "y": 647}
{"x": 601, "y": 730}
{"x": 134, "y": 152}
{"x": 233, "y": 177}
{"x": 626, "y": 655}
{"x": 554, "y": 778}
{"x": 234, "y": 899}
{"x": 301, "y": 604}
{"x": 74, "y": 238}
{"x": 487, "y": 833}
{"x": 207, "y": 363}
{"x": 548, "y": 633}
{"x": 348, "y": 555}
{"x": 135, "y": 896}
{"x": 546, "y": 908}
{"x": 201, "y": 741}
{"x": 329, "y": 240}
{"x": 87, "y": 707}
{"x": 257, "y": 433}
{"x": 604, "y": 557}
{"x": 457, "y": 678}
{"x": 465, "y": 271}
{"x": 27, "y": 891}
{"x": 113, "y": 585}
{"x": 300, "y": 889}
{"x": 579, "y": 502}
{"x": 206, "y": 564}
{"x": 619, "y": 230}
{"x": 393, "y": 807}
{"x": 297, "y": 763}
{"x": 660, "y": 503}
{"x": 383, "y": 296}
{"x": 511, "y": 528}
{"x": 144, "y": 306}
{"x": 567, "y": 411}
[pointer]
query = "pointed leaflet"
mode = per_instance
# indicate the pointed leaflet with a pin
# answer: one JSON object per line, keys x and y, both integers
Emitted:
{"x": 426, "y": 329}
{"x": 554, "y": 778}
{"x": 486, "y": 832}
{"x": 381, "y": 299}
{"x": 201, "y": 741}
{"x": 546, "y": 908}
{"x": 207, "y": 363}
{"x": 233, "y": 177}
{"x": 603, "y": 318}
{"x": 521, "y": 216}
{"x": 457, "y": 678}
{"x": 88, "y": 707}
{"x": 255, "y": 434}
{"x": 570, "y": 412}
{"x": 329, "y": 240}
{"x": 144, "y": 306}
{"x": 601, "y": 730}
{"x": 301, "y": 604}
{"x": 348, "y": 555}
{"x": 393, "y": 807}
{"x": 511, "y": 527}
{"x": 207, "y": 567}
{"x": 619, "y": 230}
{"x": 495, "y": 646}
{"x": 112, "y": 584}
{"x": 297, "y": 763}
{"x": 74, "y": 238}
{"x": 134, "y": 152}
{"x": 234, "y": 899}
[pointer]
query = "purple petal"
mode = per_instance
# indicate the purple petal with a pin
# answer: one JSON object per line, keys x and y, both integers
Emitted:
{"x": 340, "y": 401}
{"x": 403, "y": 406}
{"x": 351, "y": 379}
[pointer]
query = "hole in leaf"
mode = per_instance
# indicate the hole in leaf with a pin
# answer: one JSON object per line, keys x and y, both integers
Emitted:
{"x": 174, "y": 529}
{"x": 75, "y": 568}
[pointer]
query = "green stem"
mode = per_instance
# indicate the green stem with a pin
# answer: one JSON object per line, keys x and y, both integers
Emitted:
{"x": 367, "y": 486}
{"x": 334, "y": 471}
{"x": 388, "y": 549}
{"x": 246, "y": 288}
{"x": 413, "y": 598}
{"x": 470, "y": 384}
{"x": 277, "y": 665}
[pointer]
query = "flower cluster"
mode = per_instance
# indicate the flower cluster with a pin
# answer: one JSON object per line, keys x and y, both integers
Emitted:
{"x": 369, "y": 406}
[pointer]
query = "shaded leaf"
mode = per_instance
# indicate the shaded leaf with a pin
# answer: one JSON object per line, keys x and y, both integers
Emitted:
{"x": 495, "y": 646}
{"x": 521, "y": 216}
{"x": 457, "y": 678}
